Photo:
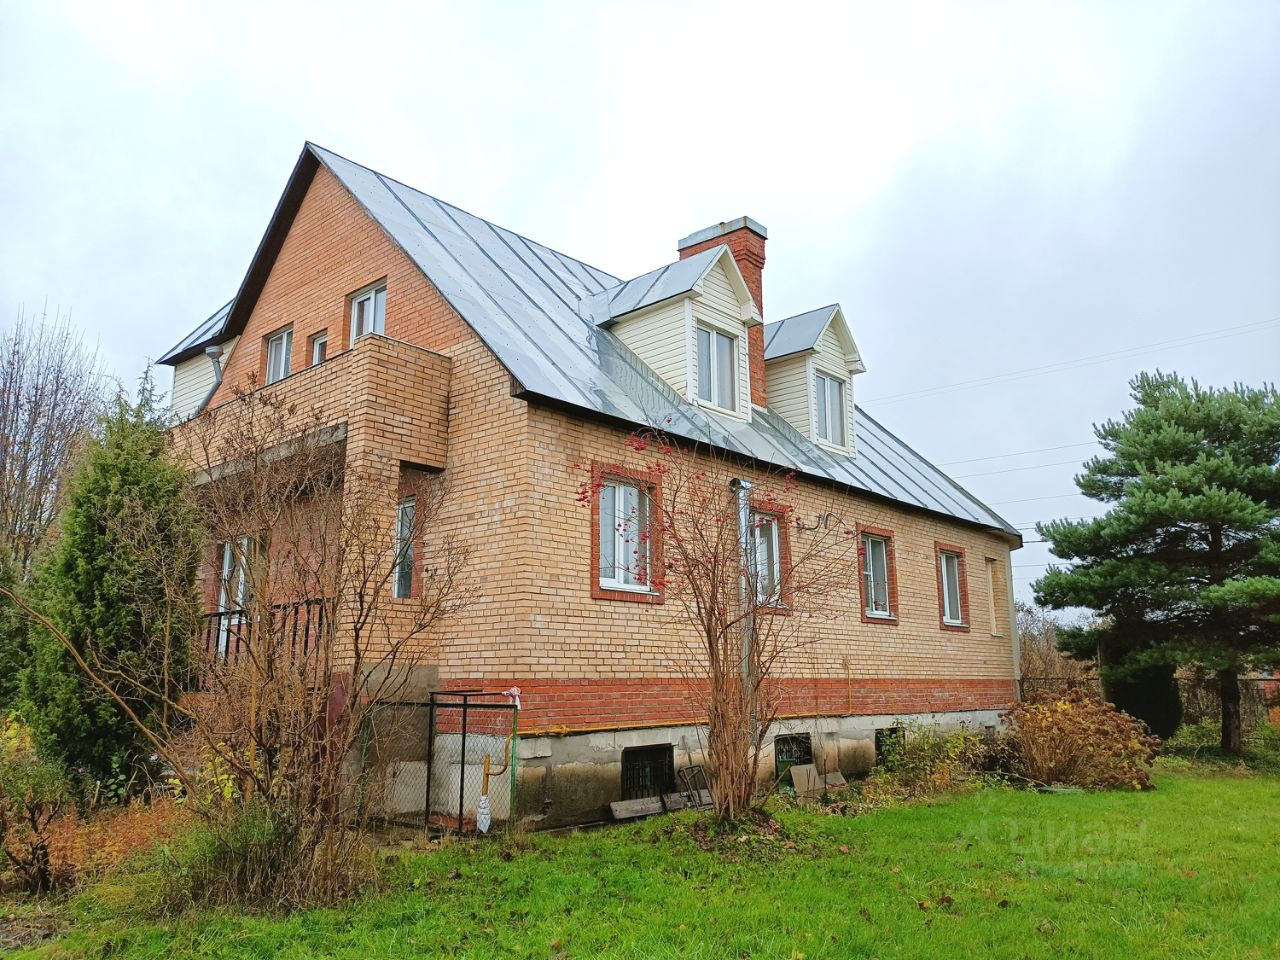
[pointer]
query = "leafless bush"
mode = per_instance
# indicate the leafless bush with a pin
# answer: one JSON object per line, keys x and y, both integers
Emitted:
{"x": 52, "y": 389}
{"x": 1038, "y": 642}
{"x": 742, "y": 585}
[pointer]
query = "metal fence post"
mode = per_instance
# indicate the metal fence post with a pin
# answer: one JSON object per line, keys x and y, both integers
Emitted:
{"x": 431, "y": 757}
{"x": 512, "y": 767}
{"x": 462, "y": 763}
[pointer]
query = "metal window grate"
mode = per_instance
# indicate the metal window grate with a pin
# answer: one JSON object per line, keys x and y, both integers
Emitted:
{"x": 648, "y": 771}
{"x": 791, "y": 750}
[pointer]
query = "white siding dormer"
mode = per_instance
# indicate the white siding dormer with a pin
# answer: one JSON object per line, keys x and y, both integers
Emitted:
{"x": 665, "y": 335}
{"x": 657, "y": 337}
{"x": 718, "y": 309}
{"x": 808, "y": 354}
{"x": 830, "y": 360}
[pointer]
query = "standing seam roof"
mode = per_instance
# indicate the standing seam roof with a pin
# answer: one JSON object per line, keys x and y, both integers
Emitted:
{"x": 532, "y": 306}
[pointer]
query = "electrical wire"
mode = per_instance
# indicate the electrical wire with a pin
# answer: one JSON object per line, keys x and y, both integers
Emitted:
{"x": 1016, "y": 453}
{"x": 1060, "y": 366}
{"x": 1052, "y": 496}
{"x": 1034, "y": 466}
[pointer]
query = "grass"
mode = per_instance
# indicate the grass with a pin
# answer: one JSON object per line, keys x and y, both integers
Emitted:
{"x": 1185, "y": 871}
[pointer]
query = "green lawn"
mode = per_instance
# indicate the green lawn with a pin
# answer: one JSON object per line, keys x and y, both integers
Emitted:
{"x": 1189, "y": 870}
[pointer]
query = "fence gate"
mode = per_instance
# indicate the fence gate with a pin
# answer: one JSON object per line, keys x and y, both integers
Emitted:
{"x": 472, "y": 744}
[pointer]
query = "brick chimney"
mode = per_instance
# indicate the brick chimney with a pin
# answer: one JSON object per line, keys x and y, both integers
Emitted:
{"x": 745, "y": 239}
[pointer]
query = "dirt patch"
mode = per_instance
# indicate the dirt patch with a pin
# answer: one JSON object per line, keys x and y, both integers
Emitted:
{"x": 26, "y": 930}
{"x": 756, "y": 837}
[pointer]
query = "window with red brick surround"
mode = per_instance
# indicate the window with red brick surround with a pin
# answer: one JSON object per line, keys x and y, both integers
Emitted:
{"x": 952, "y": 549}
{"x": 651, "y": 484}
{"x": 780, "y": 518}
{"x": 891, "y": 565}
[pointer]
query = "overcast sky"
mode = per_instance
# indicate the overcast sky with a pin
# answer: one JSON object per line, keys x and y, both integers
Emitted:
{"x": 987, "y": 188}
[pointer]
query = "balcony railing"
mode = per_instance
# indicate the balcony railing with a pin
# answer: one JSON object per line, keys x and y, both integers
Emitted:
{"x": 295, "y": 628}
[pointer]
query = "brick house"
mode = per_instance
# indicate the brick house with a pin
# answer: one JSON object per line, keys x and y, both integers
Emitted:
{"x": 443, "y": 342}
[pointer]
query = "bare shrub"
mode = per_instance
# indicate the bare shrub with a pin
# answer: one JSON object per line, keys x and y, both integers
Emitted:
{"x": 742, "y": 614}
{"x": 1038, "y": 645}
{"x": 52, "y": 390}
{"x": 35, "y": 797}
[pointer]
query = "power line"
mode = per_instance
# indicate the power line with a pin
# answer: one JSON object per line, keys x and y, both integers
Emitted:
{"x": 1034, "y": 466}
{"x": 1016, "y": 453}
{"x": 1063, "y": 365}
{"x": 1052, "y": 496}
{"x": 1032, "y": 524}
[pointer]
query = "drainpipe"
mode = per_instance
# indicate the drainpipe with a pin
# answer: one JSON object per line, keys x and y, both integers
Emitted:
{"x": 746, "y": 553}
{"x": 214, "y": 353}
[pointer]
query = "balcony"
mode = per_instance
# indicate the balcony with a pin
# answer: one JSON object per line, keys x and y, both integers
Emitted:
{"x": 295, "y": 628}
{"x": 389, "y": 401}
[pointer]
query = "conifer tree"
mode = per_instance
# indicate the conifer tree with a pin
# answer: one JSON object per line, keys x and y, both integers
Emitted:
{"x": 1184, "y": 568}
{"x": 128, "y": 503}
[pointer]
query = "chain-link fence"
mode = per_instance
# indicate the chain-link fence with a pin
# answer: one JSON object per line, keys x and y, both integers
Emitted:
{"x": 448, "y": 762}
{"x": 472, "y": 746}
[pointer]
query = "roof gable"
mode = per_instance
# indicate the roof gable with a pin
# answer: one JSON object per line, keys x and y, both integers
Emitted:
{"x": 682, "y": 278}
{"x": 801, "y": 333}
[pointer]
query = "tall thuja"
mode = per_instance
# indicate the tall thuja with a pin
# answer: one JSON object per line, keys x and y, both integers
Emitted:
{"x": 120, "y": 583}
{"x": 1184, "y": 568}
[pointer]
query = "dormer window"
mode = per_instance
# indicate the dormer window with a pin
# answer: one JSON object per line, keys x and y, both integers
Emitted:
{"x": 368, "y": 311}
{"x": 717, "y": 369}
{"x": 830, "y": 409}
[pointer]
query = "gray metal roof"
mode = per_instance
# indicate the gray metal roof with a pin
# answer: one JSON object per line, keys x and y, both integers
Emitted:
{"x": 796, "y": 334}
{"x": 671, "y": 280}
{"x": 208, "y": 332}
{"x": 526, "y": 302}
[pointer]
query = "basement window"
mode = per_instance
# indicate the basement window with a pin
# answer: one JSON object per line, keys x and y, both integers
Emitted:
{"x": 717, "y": 369}
{"x": 791, "y": 750}
{"x": 279, "y": 349}
{"x": 368, "y": 311}
{"x": 648, "y": 771}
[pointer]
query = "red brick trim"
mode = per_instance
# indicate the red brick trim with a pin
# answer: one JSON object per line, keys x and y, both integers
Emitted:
{"x": 574, "y": 706}
{"x": 939, "y": 548}
{"x": 652, "y": 482}
{"x": 782, "y": 517}
{"x": 891, "y": 558}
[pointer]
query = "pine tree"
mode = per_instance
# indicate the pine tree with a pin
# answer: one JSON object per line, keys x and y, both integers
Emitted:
{"x": 127, "y": 504}
{"x": 1184, "y": 568}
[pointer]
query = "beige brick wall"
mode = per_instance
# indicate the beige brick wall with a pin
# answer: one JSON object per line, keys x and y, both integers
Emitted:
{"x": 514, "y": 470}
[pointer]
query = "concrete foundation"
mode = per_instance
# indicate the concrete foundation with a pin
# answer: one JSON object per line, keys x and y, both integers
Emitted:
{"x": 571, "y": 779}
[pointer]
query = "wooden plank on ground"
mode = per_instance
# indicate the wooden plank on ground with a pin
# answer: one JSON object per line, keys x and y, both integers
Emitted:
{"x": 630, "y": 809}
{"x": 649, "y": 806}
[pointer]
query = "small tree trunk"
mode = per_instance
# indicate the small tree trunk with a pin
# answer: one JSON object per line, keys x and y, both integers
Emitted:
{"x": 1232, "y": 727}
